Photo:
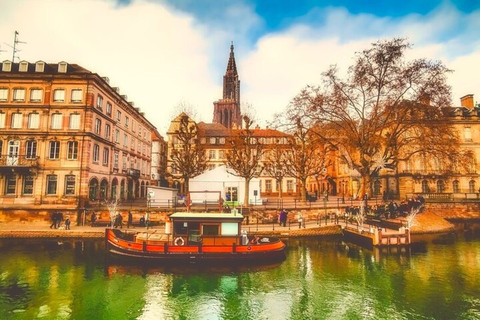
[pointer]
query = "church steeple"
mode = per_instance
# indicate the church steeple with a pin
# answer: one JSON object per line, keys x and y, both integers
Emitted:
{"x": 227, "y": 110}
{"x": 231, "y": 84}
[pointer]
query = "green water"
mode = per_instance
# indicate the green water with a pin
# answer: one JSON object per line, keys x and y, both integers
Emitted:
{"x": 320, "y": 279}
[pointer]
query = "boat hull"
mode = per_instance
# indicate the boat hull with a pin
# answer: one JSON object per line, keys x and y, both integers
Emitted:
{"x": 274, "y": 250}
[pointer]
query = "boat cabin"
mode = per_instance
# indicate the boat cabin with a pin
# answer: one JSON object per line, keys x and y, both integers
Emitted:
{"x": 189, "y": 228}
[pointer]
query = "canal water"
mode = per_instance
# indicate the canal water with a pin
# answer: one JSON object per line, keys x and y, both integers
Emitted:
{"x": 437, "y": 278}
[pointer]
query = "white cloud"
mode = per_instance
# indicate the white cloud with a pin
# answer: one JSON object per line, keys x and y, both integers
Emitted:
{"x": 161, "y": 57}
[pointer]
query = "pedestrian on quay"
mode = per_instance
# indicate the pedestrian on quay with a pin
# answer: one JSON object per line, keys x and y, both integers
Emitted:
{"x": 59, "y": 219}
{"x": 129, "y": 219}
{"x": 67, "y": 223}
{"x": 300, "y": 221}
{"x": 54, "y": 220}
{"x": 93, "y": 219}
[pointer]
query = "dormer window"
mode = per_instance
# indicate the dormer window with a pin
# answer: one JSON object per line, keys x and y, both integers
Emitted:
{"x": 62, "y": 67}
{"x": 7, "y": 66}
{"x": 23, "y": 66}
{"x": 40, "y": 66}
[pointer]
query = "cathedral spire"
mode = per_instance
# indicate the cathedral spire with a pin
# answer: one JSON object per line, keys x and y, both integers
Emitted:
{"x": 227, "y": 110}
{"x": 231, "y": 67}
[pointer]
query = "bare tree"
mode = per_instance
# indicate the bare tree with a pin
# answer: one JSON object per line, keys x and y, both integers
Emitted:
{"x": 305, "y": 157}
{"x": 385, "y": 111}
{"x": 245, "y": 155}
{"x": 187, "y": 154}
{"x": 275, "y": 165}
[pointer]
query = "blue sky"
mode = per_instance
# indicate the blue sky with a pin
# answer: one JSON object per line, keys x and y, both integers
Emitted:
{"x": 165, "y": 53}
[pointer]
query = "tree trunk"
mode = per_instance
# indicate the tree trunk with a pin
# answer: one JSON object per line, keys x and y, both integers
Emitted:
{"x": 247, "y": 191}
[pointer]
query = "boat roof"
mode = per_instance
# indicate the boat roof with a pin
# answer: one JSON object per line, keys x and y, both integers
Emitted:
{"x": 207, "y": 215}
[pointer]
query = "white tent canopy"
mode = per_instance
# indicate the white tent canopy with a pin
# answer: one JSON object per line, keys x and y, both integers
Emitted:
{"x": 221, "y": 179}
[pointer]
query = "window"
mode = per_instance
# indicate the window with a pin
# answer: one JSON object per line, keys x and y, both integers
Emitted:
{"x": 96, "y": 153}
{"x": 3, "y": 94}
{"x": 221, "y": 154}
{"x": 59, "y": 95}
{"x": 213, "y": 140}
{"x": 456, "y": 186}
{"x": 62, "y": 67}
{"x": 117, "y": 136}
{"x": 23, "y": 66}
{"x": 289, "y": 185}
{"x": 211, "y": 230}
{"x": 72, "y": 150}
{"x": 425, "y": 187}
{"x": 98, "y": 126}
{"x": 2, "y": 119}
{"x": 109, "y": 109}
{"x": 212, "y": 154}
{"x": 69, "y": 185}
{"x": 57, "y": 121}
{"x": 132, "y": 144}
{"x": 119, "y": 115}
{"x": 77, "y": 95}
{"x": 39, "y": 66}
{"x": 28, "y": 185}
{"x": 33, "y": 120}
{"x": 36, "y": 95}
{"x": 127, "y": 120}
{"x": 51, "y": 184}
{"x": 54, "y": 150}
{"x": 115, "y": 160}
{"x": 31, "y": 149}
{"x": 18, "y": 95}
{"x": 16, "y": 120}
{"x": 268, "y": 185}
{"x": 124, "y": 162}
{"x": 106, "y": 154}
{"x": 74, "y": 121}
{"x": 125, "y": 140}
{"x": 10, "y": 184}
{"x": 468, "y": 134}
{"x": 471, "y": 186}
{"x": 107, "y": 131}
{"x": 99, "y": 102}
{"x": 440, "y": 186}
{"x": 222, "y": 140}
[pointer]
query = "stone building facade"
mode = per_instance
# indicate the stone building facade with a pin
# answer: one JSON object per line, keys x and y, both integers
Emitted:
{"x": 68, "y": 140}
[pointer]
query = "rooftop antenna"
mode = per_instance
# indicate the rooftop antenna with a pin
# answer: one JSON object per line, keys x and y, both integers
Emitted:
{"x": 15, "y": 48}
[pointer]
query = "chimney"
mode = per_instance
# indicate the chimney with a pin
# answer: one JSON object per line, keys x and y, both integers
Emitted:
{"x": 467, "y": 101}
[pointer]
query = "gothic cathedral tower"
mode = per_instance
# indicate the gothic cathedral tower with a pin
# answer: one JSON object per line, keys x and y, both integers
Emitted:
{"x": 226, "y": 111}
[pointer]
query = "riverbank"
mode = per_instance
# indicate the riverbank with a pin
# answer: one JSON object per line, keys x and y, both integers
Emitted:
{"x": 425, "y": 223}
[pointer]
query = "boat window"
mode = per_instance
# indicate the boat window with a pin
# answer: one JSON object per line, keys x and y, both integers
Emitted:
{"x": 229, "y": 229}
{"x": 210, "y": 230}
{"x": 180, "y": 228}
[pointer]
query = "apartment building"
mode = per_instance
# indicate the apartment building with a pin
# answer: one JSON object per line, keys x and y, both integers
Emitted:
{"x": 68, "y": 140}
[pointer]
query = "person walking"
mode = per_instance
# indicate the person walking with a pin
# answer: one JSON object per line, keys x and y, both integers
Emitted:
{"x": 129, "y": 219}
{"x": 59, "y": 219}
{"x": 54, "y": 220}
{"x": 67, "y": 223}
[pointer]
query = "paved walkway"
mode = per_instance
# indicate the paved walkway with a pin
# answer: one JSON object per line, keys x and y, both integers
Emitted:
{"x": 42, "y": 230}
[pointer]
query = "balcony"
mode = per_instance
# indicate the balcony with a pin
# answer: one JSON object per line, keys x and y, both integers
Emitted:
{"x": 18, "y": 164}
{"x": 134, "y": 173}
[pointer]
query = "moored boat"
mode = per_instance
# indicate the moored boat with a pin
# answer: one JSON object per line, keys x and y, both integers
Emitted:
{"x": 196, "y": 237}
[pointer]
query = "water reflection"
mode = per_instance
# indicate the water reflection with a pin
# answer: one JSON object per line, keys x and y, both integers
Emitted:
{"x": 436, "y": 278}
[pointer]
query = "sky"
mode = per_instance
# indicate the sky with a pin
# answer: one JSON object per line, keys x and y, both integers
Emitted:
{"x": 167, "y": 53}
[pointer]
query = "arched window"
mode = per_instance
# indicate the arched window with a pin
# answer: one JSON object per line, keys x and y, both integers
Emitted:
{"x": 114, "y": 195}
{"x": 93, "y": 189}
{"x": 440, "y": 186}
{"x": 376, "y": 187}
{"x": 103, "y": 189}
{"x": 456, "y": 186}
{"x": 425, "y": 188}
{"x": 471, "y": 186}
